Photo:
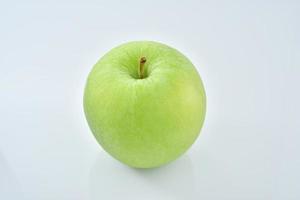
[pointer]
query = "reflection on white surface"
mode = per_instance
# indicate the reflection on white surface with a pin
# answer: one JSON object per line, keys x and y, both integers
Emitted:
{"x": 9, "y": 185}
{"x": 174, "y": 181}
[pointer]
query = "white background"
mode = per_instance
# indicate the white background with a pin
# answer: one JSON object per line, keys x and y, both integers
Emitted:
{"x": 247, "y": 52}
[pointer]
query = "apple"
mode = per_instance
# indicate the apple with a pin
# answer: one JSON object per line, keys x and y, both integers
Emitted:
{"x": 145, "y": 103}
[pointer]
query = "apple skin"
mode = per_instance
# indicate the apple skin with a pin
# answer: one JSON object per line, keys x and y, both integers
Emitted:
{"x": 147, "y": 122}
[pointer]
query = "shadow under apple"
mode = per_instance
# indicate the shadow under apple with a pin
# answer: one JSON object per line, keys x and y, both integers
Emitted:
{"x": 111, "y": 180}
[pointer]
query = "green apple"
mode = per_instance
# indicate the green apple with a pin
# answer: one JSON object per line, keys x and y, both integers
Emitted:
{"x": 145, "y": 103}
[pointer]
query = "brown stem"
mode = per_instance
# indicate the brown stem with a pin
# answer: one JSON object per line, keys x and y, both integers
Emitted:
{"x": 142, "y": 63}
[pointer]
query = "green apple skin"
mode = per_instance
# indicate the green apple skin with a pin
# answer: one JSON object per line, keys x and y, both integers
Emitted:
{"x": 147, "y": 122}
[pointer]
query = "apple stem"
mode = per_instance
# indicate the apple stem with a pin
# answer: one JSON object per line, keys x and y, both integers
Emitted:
{"x": 142, "y": 63}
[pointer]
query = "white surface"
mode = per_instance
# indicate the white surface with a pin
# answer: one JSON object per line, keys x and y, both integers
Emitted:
{"x": 248, "y": 55}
